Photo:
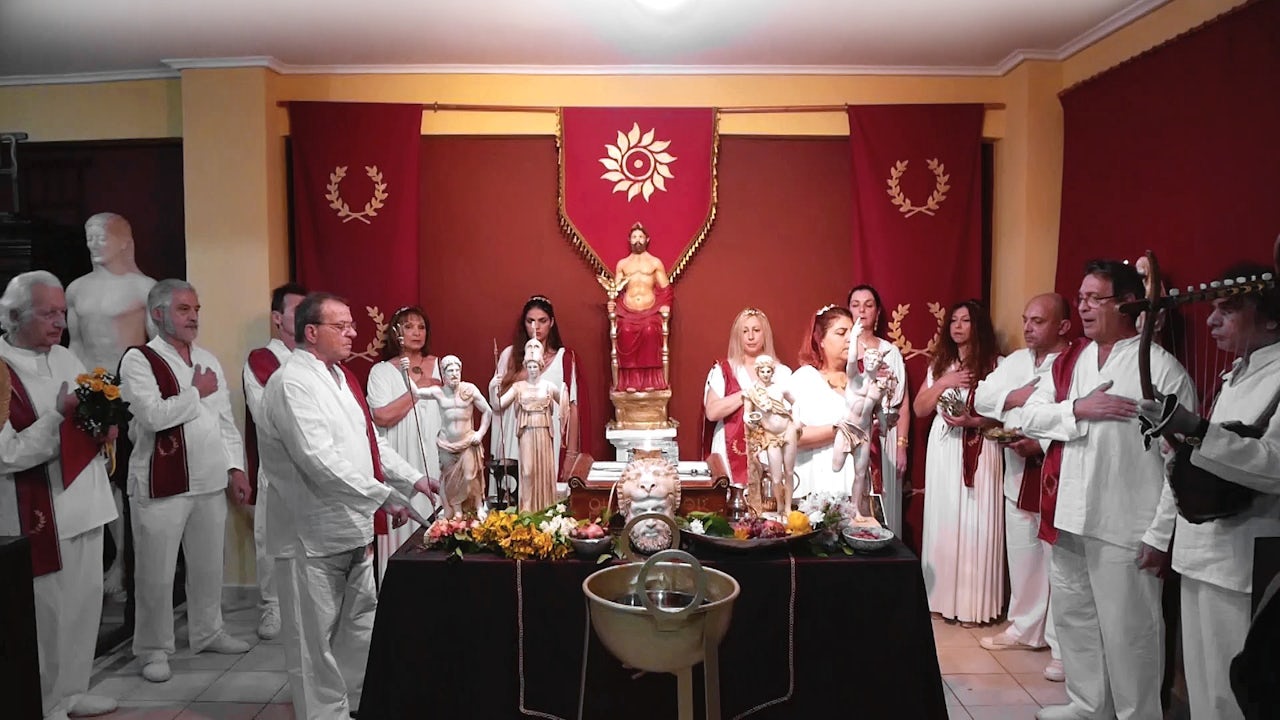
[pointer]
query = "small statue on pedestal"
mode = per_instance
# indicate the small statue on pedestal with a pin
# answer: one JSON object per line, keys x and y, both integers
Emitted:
{"x": 772, "y": 429}
{"x": 649, "y": 484}
{"x": 461, "y": 456}
{"x": 533, "y": 398}
{"x": 864, "y": 396}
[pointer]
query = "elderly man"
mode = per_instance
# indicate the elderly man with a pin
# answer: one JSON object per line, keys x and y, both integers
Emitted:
{"x": 1000, "y": 396}
{"x": 1104, "y": 506}
{"x": 54, "y": 489}
{"x": 261, "y": 364}
{"x": 327, "y": 467}
{"x": 186, "y": 454}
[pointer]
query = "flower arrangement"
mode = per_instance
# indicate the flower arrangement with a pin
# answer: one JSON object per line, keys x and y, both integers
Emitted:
{"x": 101, "y": 407}
{"x": 542, "y": 535}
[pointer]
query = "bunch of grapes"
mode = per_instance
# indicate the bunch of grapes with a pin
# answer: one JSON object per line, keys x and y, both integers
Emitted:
{"x": 759, "y": 528}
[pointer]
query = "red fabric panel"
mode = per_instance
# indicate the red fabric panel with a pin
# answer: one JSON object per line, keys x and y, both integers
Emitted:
{"x": 1176, "y": 152}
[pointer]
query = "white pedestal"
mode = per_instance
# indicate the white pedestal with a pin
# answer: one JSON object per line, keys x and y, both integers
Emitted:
{"x": 626, "y": 441}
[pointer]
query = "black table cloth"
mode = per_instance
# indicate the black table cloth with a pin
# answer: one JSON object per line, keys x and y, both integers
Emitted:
{"x": 487, "y": 637}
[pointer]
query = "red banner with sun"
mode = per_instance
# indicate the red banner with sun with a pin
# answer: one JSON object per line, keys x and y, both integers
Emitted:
{"x": 654, "y": 166}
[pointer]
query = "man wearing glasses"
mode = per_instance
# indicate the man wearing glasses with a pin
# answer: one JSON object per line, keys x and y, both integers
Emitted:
{"x": 1105, "y": 506}
{"x": 330, "y": 473}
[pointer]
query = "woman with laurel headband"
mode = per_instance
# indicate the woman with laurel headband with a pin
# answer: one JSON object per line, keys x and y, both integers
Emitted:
{"x": 963, "y": 536}
{"x": 818, "y": 386}
{"x": 560, "y": 366}
{"x": 409, "y": 425}
{"x": 727, "y": 383}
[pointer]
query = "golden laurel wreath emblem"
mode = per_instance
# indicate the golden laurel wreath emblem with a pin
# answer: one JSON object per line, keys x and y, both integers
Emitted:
{"x": 940, "y": 188}
{"x": 379, "y": 341}
{"x": 900, "y": 340}
{"x": 371, "y": 208}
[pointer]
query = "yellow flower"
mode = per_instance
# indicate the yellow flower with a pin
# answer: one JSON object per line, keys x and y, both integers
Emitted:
{"x": 83, "y": 378}
{"x": 100, "y": 372}
{"x": 111, "y": 392}
{"x": 95, "y": 385}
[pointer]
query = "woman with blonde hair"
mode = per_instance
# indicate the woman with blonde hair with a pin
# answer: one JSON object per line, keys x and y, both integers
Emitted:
{"x": 728, "y": 381}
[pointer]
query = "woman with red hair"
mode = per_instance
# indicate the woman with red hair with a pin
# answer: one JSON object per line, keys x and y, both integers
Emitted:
{"x": 818, "y": 386}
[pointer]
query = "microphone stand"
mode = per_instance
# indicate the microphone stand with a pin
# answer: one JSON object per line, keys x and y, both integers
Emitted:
{"x": 501, "y": 497}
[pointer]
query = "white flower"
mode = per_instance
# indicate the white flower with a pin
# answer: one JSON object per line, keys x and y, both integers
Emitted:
{"x": 817, "y": 517}
{"x": 560, "y": 509}
{"x": 696, "y": 528}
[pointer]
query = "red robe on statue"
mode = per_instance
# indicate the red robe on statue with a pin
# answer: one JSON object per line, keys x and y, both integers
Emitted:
{"x": 640, "y": 343}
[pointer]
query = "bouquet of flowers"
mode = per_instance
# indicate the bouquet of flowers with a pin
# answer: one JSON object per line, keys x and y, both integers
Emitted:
{"x": 542, "y": 535}
{"x": 101, "y": 408}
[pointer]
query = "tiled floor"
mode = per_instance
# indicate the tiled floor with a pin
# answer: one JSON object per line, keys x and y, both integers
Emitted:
{"x": 979, "y": 685}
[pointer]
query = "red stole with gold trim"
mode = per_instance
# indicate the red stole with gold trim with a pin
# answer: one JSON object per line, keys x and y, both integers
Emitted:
{"x": 379, "y": 518}
{"x": 735, "y": 436}
{"x": 169, "y": 474}
{"x": 263, "y": 364}
{"x": 35, "y": 497}
{"x": 1050, "y": 470}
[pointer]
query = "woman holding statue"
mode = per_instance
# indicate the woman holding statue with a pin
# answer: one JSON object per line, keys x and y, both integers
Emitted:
{"x": 409, "y": 425}
{"x": 818, "y": 386}
{"x": 889, "y": 440}
{"x": 561, "y": 367}
{"x": 729, "y": 381}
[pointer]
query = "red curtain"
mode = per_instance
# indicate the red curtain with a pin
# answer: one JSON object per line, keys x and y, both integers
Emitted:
{"x": 917, "y": 228}
{"x": 1176, "y": 151}
{"x": 355, "y": 209}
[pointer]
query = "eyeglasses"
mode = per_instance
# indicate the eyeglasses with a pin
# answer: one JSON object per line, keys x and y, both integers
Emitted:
{"x": 340, "y": 327}
{"x": 1092, "y": 300}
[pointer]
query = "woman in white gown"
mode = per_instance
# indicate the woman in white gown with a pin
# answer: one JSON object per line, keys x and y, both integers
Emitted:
{"x": 560, "y": 367}
{"x": 750, "y": 337}
{"x": 818, "y": 386}
{"x": 409, "y": 425}
{"x": 963, "y": 537}
{"x": 864, "y": 303}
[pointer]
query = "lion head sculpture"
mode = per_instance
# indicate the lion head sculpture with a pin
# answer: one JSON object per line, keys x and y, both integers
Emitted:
{"x": 649, "y": 484}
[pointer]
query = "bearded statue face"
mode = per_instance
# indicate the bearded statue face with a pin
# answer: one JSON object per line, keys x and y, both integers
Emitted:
{"x": 649, "y": 485}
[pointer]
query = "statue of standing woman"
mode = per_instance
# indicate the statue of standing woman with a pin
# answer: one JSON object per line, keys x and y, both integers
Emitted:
{"x": 533, "y": 398}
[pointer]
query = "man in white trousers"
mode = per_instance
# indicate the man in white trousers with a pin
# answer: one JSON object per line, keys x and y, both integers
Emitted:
{"x": 330, "y": 472}
{"x": 187, "y": 454}
{"x": 1105, "y": 507}
{"x": 1046, "y": 320}
{"x": 55, "y": 492}
{"x": 261, "y": 364}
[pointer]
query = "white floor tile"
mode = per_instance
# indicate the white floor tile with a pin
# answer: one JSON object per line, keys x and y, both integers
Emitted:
{"x": 182, "y": 686}
{"x": 992, "y": 689}
{"x": 258, "y": 687}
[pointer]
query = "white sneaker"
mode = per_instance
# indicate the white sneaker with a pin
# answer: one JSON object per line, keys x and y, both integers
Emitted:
{"x": 89, "y": 705}
{"x": 157, "y": 671}
{"x": 1054, "y": 672}
{"x": 269, "y": 626}
{"x": 226, "y": 645}
{"x": 1005, "y": 641}
{"x": 1060, "y": 712}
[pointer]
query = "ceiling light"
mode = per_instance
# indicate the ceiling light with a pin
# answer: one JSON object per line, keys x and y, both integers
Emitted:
{"x": 661, "y": 6}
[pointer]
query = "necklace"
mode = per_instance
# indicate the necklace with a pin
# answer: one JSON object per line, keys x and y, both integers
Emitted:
{"x": 840, "y": 381}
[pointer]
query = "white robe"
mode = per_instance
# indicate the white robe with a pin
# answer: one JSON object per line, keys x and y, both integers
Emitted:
{"x": 412, "y": 439}
{"x": 817, "y": 403}
{"x": 746, "y": 381}
{"x": 962, "y": 552}
{"x": 264, "y": 563}
{"x": 503, "y": 443}
{"x": 1215, "y": 558}
{"x": 67, "y": 602}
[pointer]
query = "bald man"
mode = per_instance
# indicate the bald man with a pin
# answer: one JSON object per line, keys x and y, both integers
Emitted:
{"x": 1045, "y": 323}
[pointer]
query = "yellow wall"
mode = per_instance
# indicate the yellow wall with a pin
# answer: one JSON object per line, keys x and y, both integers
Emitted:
{"x": 232, "y": 130}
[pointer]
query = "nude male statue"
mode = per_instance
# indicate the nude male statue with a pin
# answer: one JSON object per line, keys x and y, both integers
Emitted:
{"x": 107, "y": 314}
{"x": 461, "y": 457}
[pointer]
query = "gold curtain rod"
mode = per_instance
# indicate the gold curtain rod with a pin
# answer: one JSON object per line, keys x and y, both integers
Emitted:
{"x": 762, "y": 109}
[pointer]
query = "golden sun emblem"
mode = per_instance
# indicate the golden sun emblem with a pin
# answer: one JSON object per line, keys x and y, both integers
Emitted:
{"x": 638, "y": 164}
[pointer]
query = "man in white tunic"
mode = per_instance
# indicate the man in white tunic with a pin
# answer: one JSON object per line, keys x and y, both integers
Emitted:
{"x": 261, "y": 364}
{"x": 327, "y": 466}
{"x": 1000, "y": 396}
{"x": 1112, "y": 519}
{"x": 1215, "y": 558}
{"x": 186, "y": 454}
{"x": 57, "y": 494}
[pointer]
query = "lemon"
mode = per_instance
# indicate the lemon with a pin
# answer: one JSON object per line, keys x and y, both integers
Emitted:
{"x": 797, "y": 522}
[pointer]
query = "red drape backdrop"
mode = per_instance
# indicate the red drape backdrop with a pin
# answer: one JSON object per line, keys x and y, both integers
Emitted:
{"x": 355, "y": 205}
{"x": 917, "y": 228}
{"x": 782, "y": 245}
{"x": 1176, "y": 151}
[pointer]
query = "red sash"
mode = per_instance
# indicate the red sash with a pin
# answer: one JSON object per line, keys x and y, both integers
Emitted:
{"x": 972, "y": 444}
{"x": 169, "y": 474}
{"x": 263, "y": 364}
{"x": 874, "y": 450}
{"x": 35, "y": 498}
{"x": 1051, "y": 469}
{"x": 735, "y": 436}
{"x": 380, "y": 526}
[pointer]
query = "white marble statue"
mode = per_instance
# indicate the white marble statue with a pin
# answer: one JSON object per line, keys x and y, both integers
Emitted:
{"x": 767, "y": 409}
{"x": 461, "y": 455}
{"x": 107, "y": 314}
{"x": 863, "y": 395}
{"x": 647, "y": 485}
{"x": 533, "y": 398}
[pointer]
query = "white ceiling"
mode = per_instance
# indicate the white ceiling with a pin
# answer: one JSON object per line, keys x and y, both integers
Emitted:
{"x": 84, "y": 39}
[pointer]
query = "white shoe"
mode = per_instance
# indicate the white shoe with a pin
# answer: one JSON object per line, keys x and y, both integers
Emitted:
{"x": 226, "y": 645}
{"x": 1054, "y": 672}
{"x": 1005, "y": 641}
{"x": 1060, "y": 712}
{"x": 269, "y": 626}
{"x": 157, "y": 671}
{"x": 89, "y": 705}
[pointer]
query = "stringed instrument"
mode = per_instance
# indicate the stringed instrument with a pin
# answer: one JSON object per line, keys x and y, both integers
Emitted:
{"x": 1201, "y": 496}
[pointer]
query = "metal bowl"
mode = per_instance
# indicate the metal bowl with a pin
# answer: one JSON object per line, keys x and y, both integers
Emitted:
{"x": 733, "y": 544}
{"x": 884, "y": 537}
{"x": 591, "y": 548}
